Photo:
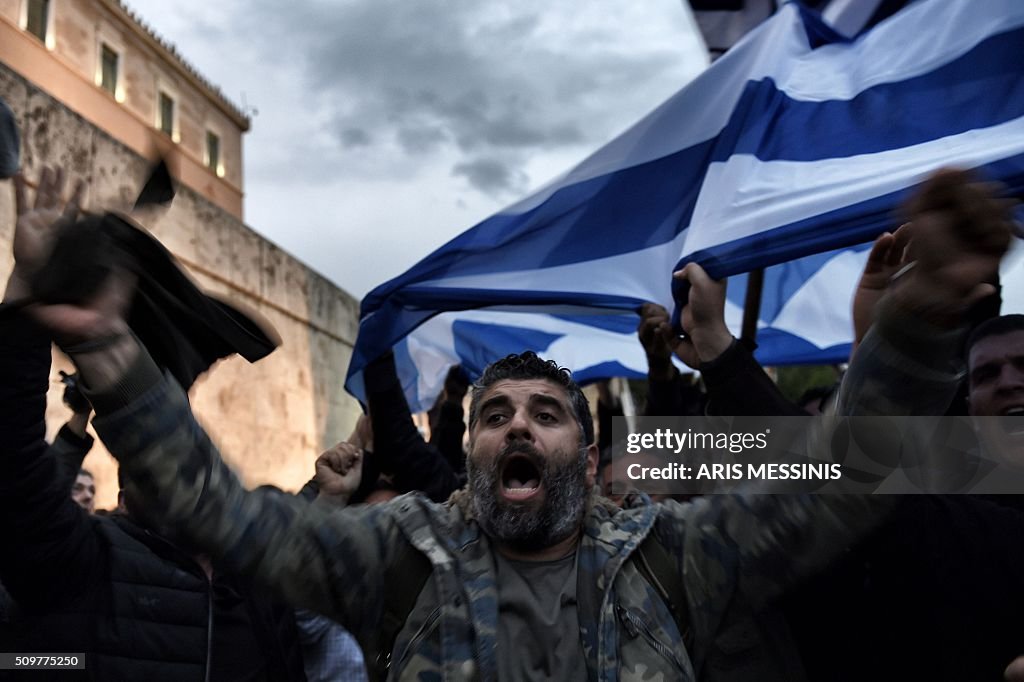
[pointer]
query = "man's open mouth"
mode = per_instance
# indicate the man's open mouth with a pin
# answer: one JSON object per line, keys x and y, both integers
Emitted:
{"x": 520, "y": 478}
{"x": 1012, "y": 421}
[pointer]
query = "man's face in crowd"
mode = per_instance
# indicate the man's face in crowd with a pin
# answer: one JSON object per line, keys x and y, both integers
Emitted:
{"x": 83, "y": 492}
{"x": 529, "y": 473}
{"x": 996, "y": 389}
{"x": 616, "y": 483}
{"x": 996, "y": 375}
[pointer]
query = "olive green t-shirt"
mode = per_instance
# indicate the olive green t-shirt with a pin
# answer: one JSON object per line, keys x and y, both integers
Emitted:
{"x": 538, "y": 623}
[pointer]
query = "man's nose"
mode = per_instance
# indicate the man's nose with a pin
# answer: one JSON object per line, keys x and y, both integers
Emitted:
{"x": 519, "y": 427}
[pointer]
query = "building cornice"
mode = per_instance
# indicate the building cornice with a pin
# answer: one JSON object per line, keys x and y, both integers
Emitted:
{"x": 161, "y": 46}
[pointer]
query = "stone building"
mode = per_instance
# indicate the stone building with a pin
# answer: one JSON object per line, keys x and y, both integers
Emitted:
{"x": 97, "y": 91}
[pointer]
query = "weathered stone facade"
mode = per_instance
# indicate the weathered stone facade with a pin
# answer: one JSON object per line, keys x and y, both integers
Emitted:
{"x": 270, "y": 419}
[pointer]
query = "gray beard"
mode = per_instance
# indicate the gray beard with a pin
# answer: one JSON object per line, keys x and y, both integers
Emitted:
{"x": 521, "y": 526}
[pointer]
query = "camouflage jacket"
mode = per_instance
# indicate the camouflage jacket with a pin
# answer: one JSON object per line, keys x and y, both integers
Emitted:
{"x": 735, "y": 552}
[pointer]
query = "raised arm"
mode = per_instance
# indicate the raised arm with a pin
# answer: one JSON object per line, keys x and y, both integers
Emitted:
{"x": 398, "y": 446}
{"x": 909, "y": 362}
{"x": 48, "y": 539}
{"x": 326, "y": 559}
{"x": 737, "y": 385}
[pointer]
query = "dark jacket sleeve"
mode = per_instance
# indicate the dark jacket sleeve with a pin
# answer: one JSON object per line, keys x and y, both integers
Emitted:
{"x": 605, "y": 414}
{"x": 69, "y": 450}
{"x": 447, "y": 434}
{"x": 738, "y": 386}
{"x": 673, "y": 398}
{"x": 49, "y": 543}
{"x": 397, "y": 445}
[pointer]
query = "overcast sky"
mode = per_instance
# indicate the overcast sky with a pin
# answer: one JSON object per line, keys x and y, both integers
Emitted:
{"x": 387, "y": 127}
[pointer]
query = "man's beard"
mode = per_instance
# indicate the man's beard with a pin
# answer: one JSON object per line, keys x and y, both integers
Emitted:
{"x": 525, "y": 526}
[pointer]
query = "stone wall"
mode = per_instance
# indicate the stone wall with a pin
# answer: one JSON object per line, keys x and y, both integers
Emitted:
{"x": 271, "y": 418}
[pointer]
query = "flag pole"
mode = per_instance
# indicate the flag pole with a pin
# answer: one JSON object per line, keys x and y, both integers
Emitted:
{"x": 752, "y": 306}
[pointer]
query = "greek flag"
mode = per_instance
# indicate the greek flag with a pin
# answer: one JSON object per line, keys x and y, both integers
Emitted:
{"x": 799, "y": 142}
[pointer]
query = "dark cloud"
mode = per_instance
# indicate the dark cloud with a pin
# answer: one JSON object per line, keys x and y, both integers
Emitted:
{"x": 355, "y": 137}
{"x": 421, "y": 139}
{"x": 492, "y": 177}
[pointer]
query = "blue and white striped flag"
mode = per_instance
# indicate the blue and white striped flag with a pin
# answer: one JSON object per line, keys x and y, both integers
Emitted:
{"x": 797, "y": 142}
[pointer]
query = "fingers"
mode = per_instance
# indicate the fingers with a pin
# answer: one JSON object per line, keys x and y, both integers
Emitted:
{"x": 342, "y": 457}
{"x": 43, "y": 187}
{"x": 653, "y": 310}
{"x": 667, "y": 334}
{"x": 879, "y": 255}
{"x": 689, "y": 271}
{"x": 651, "y": 315}
{"x": 962, "y": 210}
{"x": 20, "y": 194}
{"x": 49, "y": 192}
{"x": 902, "y": 236}
{"x": 697, "y": 276}
{"x": 51, "y": 184}
{"x": 652, "y": 318}
{"x": 75, "y": 203}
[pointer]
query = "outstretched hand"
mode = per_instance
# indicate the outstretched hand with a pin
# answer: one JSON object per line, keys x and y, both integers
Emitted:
{"x": 38, "y": 225}
{"x": 702, "y": 318}
{"x": 962, "y": 230}
{"x": 890, "y": 252}
{"x": 38, "y": 228}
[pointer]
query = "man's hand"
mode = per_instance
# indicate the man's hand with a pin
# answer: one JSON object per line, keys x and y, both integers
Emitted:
{"x": 889, "y": 253}
{"x": 1015, "y": 671}
{"x": 38, "y": 225}
{"x": 655, "y": 334}
{"x": 95, "y": 332}
{"x": 37, "y": 230}
{"x": 339, "y": 471}
{"x": 961, "y": 232}
{"x": 702, "y": 318}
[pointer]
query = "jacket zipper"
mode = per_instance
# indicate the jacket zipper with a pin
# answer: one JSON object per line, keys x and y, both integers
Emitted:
{"x": 422, "y": 632}
{"x": 209, "y": 627}
{"x": 635, "y": 626}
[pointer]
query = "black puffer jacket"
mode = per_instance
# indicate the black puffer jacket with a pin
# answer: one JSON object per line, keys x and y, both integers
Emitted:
{"x": 137, "y": 606}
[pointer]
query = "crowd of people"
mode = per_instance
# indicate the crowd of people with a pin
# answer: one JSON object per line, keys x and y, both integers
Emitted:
{"x": 516, "y": 557}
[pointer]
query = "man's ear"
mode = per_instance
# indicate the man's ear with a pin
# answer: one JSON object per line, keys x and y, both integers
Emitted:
{"x": 592, "y": 455}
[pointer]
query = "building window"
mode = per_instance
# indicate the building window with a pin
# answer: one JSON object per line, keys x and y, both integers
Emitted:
{"x": 213, "y": 154}
{"x": 37, "y": 16}
{"x": 109, "y": 60}
{"x": 165, "y": 115}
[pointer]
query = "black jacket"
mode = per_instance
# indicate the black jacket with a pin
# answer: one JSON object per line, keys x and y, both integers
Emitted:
{"x": 399, "y": 448}
{"x": 137, "y": 606}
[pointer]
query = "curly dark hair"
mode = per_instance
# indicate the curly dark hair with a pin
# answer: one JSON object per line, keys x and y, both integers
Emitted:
{"x": 528, "y": 365}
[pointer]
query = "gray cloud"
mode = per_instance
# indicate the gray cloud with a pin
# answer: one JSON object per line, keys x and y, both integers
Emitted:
{"x": 483, "y": 81}
{"x": 492, "y": 177}
{"x": 354, "y": 137}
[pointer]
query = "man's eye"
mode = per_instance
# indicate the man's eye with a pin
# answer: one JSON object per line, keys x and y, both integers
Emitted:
{"x": 983, "y": 375}
{"x": 546, "y": 417}
{"x": 494, "y": 418}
